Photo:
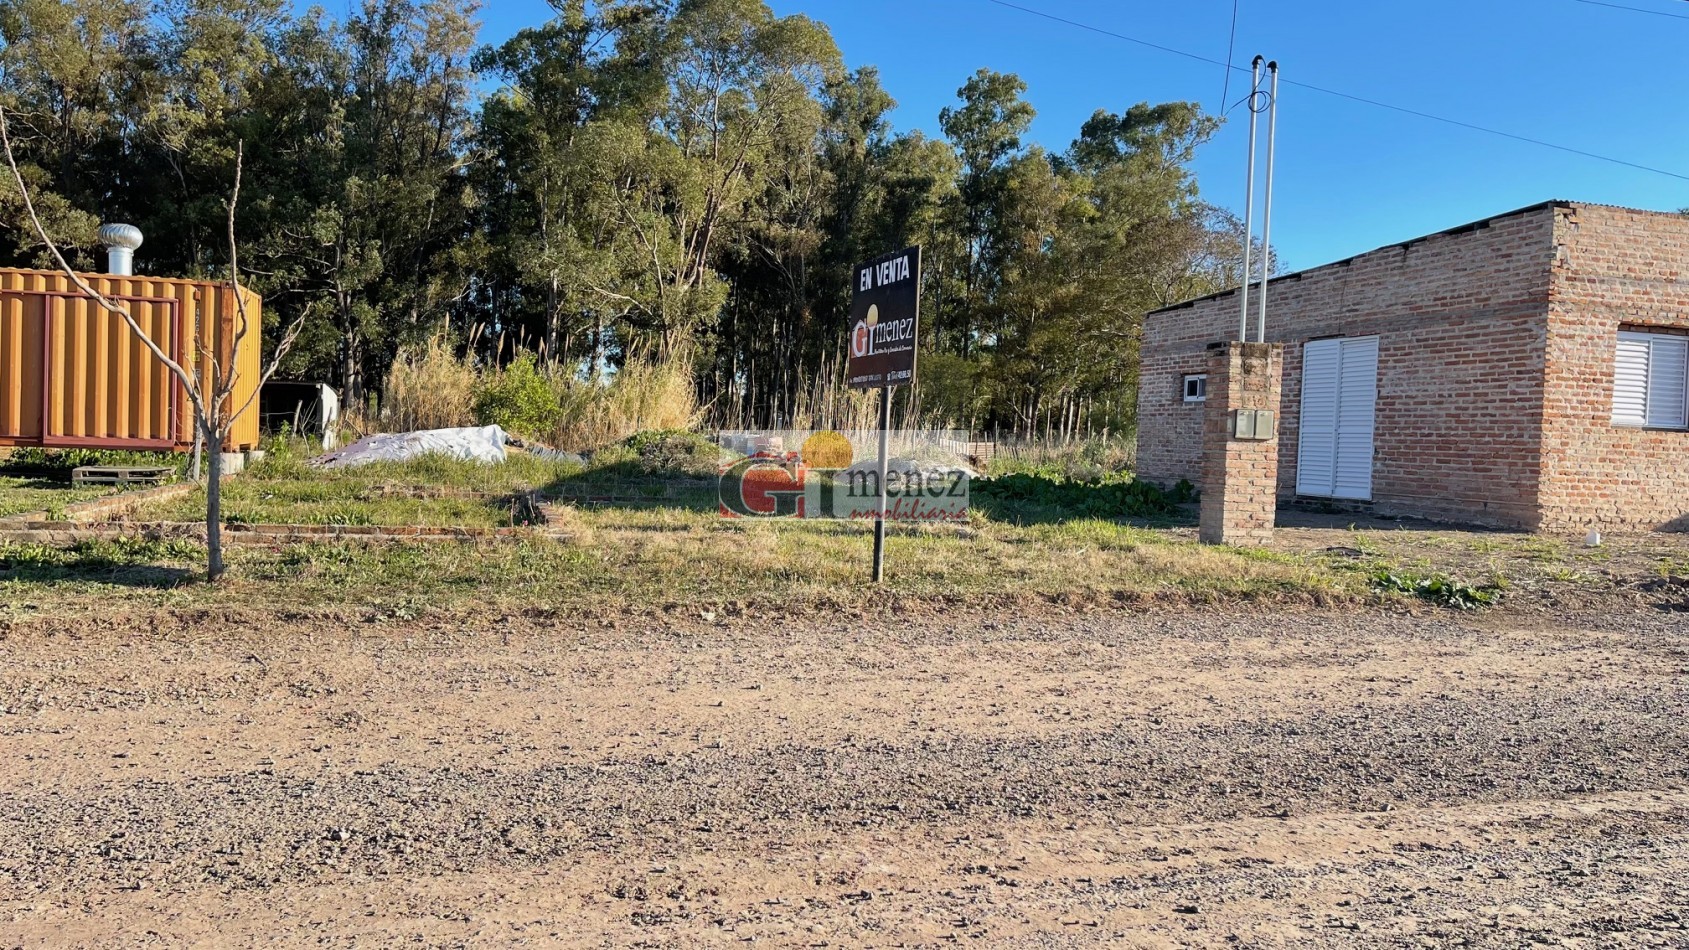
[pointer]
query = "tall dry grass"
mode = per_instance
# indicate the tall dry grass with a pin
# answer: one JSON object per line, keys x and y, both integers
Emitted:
{"x": 430, "y": 389}
{"x": 642, "y": 395}
{"x": 434, "y": 388}
{"x": 827, "y": 402}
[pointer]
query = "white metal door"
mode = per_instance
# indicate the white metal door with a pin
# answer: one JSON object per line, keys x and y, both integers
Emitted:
{"x": 1339, "y": 397}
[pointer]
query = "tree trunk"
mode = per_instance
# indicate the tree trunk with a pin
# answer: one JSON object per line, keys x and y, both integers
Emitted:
{"x": 214, "y": 567}
{"x": 597, "y": 346}
{"x": 553, "y": 325}
{"x": 352, "y": 370}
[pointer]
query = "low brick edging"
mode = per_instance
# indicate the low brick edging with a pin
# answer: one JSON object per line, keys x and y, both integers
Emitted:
{"x": 102, "y": 507}
{"x": 65, "y": 533}
{"x": 35, "y": 528}
{"x": 550, "y": 510}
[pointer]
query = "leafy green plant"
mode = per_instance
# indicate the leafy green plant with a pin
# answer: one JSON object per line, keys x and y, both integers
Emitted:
{"x": 347, "y": 516}
{"x": 1439, "y": 589}
{"x": 1107, "y": 496}
{"x": 96, "y": 554}
{"x": 64, "y": 461}
{"x": 518, "y": 398}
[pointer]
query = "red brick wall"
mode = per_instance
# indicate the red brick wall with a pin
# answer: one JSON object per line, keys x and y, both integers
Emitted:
{"x": 1613, "y": 267}
{"x": 1462, "y": 327}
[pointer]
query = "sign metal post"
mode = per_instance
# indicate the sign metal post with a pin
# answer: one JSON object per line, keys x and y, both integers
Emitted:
{"x": 880, "y": 522}
{"x": 885, "y": 310}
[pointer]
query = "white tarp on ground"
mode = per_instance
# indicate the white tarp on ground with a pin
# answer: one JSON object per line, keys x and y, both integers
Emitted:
{"x": 477, "y": 444}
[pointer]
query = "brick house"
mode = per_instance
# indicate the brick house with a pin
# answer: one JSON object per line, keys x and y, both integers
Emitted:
{"x": 1530, "y": 370}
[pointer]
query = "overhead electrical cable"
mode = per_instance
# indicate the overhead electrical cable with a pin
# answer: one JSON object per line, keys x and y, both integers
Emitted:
{"x": 1620, "y": 6}
{"x": 1231, "y": 47}
{"x": 1351, "y": 97}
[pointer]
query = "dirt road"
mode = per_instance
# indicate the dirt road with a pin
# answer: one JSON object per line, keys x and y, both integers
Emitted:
{"x": 1060, "y": 779}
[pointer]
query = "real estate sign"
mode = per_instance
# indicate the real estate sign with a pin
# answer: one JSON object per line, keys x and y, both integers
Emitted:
{"x": 885, "y": 311}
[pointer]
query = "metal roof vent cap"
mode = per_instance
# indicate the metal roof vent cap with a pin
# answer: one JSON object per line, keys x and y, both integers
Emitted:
{"x": 120, "y": 240}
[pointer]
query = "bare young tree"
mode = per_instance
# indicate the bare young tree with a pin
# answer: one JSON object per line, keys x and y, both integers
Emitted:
{"x": 210, "y": 396}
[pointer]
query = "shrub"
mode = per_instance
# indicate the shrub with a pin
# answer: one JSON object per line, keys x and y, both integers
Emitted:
{"x": 436, "y": 389}
{"x": 520, "y": 398}
{"x": 674, "y": 450}
{"x": 1108, "y": 496}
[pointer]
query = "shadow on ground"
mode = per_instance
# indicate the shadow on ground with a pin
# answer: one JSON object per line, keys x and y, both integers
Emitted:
{"x": 126, "y": 575}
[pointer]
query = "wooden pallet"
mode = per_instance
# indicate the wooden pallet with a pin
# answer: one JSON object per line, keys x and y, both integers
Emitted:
{"x": 122, "y": 474}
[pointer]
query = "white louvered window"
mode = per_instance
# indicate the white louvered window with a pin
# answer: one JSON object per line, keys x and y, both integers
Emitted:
{"x": 1651, "y": 380}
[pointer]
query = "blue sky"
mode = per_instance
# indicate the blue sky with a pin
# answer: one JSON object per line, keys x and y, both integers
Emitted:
{"x": 1350, "y": 176}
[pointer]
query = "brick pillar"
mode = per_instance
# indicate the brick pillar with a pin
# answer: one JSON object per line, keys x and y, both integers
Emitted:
{"x": 1240, "y": 475}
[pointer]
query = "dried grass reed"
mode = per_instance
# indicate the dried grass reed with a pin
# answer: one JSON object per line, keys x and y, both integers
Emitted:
{"x": 434, "y": 388}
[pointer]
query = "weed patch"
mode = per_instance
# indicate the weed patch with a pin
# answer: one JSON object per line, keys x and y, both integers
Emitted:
{"x": 1023, "y": 497}
{"x": 1439, "y": 589}
{"x": 64, "y": 461}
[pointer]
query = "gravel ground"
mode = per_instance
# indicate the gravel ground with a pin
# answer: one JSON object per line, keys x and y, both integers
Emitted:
{"x": 1064, "y": 778}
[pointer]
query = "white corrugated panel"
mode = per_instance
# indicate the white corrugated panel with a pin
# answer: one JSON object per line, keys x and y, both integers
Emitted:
{"x": 1630, "y": 380}
{"x": 1668, "y": 381}
{"x": 1356, "y": 400}
{"x": 1339, "y": 396}
{"x": 1316, "y": 446}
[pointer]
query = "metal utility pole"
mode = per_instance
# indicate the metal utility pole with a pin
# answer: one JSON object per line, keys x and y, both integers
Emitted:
{"x": 1249, "y": 203}
{"x": 1267, "y": 211}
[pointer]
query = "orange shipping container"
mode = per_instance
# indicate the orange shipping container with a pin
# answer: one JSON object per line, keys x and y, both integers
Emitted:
{"x": 75, "y": 376}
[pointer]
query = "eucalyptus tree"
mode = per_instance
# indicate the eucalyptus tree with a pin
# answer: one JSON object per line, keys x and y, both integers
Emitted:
{"x": 362, "y": 127}
{"x": 209, "y": 59}
{"x": 69, "y": 72}
{"x": 550, "y": 239}
{"x": 742, "y": 92}
{"x": 986, "y": 130}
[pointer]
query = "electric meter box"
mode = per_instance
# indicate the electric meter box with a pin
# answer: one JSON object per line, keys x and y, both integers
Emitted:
{"x": 1253, "y": 425}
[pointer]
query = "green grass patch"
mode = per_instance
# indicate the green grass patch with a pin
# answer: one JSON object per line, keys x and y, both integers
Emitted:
{"x": 1084, "y": 459}
{"x": 22, "y": 494}
{"x": 637, "y": 558}
{"x": 91, "y": 567}
{"x": 1028, "y": 536}
{"x": 63, "y": 461}
{"x": 431, "y": 491}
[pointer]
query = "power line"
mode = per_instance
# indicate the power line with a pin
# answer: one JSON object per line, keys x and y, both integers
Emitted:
{"x": 1231, "y": 47}
{"x": 1349, "y": 96}
{"x": 1619, "y": 6}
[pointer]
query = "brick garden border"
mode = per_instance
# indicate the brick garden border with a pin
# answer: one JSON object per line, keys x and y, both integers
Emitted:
{"x": 101, "y": 507}
{"x": 34, "y": 527}
{"x": 66, "y": 533}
